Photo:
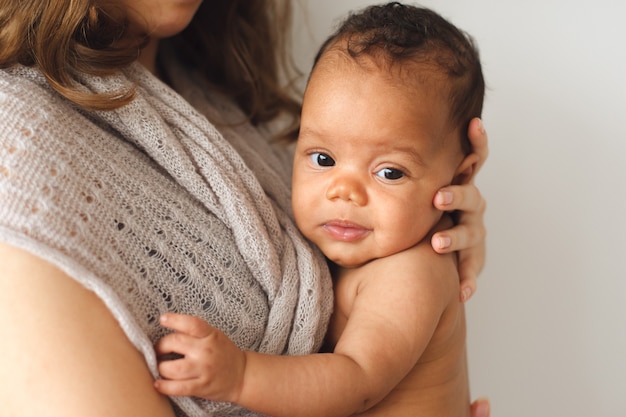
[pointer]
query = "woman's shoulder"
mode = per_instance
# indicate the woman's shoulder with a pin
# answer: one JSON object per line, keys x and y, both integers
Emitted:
{"x": 20, "y": 85}
{"x": 27, "y": 101}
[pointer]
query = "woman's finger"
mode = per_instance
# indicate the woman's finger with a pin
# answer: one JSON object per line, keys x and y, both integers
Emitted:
{"x": 459, "y": 237}
{"x": 466, "y": 198}
{"x": 471, "y": 258}
{"x": 480, "y": 408}
{"x": 479, "y": 140}
{"x": 471, "y": 263}
{"x": 467, "y": 287}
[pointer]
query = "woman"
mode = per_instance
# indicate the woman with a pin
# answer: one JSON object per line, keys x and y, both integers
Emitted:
{"x": 133, "y": 188}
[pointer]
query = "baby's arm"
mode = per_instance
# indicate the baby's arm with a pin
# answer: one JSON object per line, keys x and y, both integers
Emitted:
{"x": 392, "y": 320}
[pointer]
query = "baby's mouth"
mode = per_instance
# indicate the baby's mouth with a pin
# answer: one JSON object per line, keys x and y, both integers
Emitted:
{"x": 345, "y": 231}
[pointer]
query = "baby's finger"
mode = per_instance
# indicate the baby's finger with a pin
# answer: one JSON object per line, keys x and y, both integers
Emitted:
{"x": 174, "y": 343}
{"x": 175, "y": 388}
{"x": 190, "y": 325}
{"x": 178, "y": 369}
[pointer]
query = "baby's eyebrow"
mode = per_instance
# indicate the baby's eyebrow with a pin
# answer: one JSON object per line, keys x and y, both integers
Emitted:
{"x": 307, "y": 132}
{"x": 410, "y": 151}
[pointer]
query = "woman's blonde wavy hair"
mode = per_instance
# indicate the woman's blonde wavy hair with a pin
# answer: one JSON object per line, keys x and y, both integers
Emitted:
{"x": 240, "y": 45}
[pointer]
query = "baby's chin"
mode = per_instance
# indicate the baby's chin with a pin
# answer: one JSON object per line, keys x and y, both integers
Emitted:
{"x": 349, "y": 263}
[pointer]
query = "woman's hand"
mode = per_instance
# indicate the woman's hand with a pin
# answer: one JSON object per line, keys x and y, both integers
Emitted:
{"x": 468, "y": 236}
{"x": 480, "y": 408}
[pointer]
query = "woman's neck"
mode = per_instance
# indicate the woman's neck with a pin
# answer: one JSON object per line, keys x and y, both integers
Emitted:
{"x": 148, "y": 57}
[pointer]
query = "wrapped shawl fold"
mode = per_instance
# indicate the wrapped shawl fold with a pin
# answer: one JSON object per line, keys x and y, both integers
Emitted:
{"x": 155, "y": 210}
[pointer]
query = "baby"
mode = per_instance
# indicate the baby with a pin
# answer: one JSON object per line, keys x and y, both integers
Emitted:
{"x": 383, "y": 128}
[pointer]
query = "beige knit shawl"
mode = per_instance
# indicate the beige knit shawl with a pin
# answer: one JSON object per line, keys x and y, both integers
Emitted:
{"x": 155, "y": 210}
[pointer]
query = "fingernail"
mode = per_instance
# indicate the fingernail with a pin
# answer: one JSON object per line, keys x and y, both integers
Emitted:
{"x": 444, "y": 197}
{"x": 481, "y": 127}
{"x": 467, "y": 293}
{"x": 482, "y": 408}
{"x": 444, "y": 242}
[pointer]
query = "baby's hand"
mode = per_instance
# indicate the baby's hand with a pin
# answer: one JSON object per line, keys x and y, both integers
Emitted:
{"x": 212, "y": 366}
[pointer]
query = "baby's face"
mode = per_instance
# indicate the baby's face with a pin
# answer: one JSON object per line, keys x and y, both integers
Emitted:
{"x": 367, "y": 164}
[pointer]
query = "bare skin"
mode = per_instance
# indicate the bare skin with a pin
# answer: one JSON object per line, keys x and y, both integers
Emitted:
{"x": 38, "y": 363}
{"x": 470, "y": 232}
{"x": 441, "y": 370}
{"x": 65, "y": 354}
{"x": 398, "y": 343}
{"x": 362, "y": 192}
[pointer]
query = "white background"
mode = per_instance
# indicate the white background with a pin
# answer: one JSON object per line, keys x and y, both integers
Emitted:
{"x": 547, "y": 328}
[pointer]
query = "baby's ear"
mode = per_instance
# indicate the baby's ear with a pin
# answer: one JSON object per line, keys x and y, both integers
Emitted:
{"x": 465, "y": 171}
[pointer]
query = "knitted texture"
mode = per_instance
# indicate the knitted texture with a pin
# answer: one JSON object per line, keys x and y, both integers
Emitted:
{"x": 155, "y": 210}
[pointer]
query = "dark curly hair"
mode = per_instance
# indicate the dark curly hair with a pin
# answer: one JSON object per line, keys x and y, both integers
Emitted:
{"x": 394, "y": 35}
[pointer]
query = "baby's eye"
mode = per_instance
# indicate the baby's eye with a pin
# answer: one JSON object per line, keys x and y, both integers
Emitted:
{"x": 390, "y": 174}
{"x": 322, "y": 159}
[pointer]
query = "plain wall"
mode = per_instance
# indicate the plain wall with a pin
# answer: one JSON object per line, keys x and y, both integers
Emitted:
{"x": 547, "y": 328}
